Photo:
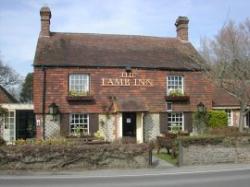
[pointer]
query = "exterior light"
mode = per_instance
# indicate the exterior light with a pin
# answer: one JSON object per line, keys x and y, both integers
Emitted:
{"x": 53, "y": 110}
{"x": 201, "y": 107}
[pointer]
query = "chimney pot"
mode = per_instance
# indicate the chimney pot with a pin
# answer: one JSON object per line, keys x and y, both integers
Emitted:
{"x": 182, "y": 27}
{"x": 45, "y": 14}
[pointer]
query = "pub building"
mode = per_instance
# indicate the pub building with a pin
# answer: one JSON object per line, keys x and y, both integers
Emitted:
{"x": 119, "y": 85}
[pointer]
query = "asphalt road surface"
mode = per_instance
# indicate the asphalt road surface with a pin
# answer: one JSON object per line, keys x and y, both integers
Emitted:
{"x": 239, "y": 177}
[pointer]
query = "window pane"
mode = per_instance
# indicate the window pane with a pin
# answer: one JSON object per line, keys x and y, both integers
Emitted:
{"x": 174, "y": 83}
{"x": 175, "y": 121}
{"x": 80, "y": 124}
{"x": 79, "y": 83}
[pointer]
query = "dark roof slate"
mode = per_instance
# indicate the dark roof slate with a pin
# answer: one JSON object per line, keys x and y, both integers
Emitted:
{"x": 104, "y": 50}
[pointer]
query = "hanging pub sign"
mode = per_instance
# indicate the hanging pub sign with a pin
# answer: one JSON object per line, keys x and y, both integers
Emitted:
{"x": 127, "y": 79}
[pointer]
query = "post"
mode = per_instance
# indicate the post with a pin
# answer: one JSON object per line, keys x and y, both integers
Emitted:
{"x": 180, "y": 154}
{"x": 150, "y": 157}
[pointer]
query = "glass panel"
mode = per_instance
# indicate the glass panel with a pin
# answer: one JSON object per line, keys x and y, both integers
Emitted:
{"x": 11, "y": 114}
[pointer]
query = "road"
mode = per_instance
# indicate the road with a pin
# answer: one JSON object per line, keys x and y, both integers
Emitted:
{"x": 194, "y": 177}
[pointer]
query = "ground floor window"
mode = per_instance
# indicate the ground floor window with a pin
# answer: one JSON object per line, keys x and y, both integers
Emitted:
{"x": 248, "y": 119}
{"x": 175, "y": 121}
{"x": 79, "y": 124}
{"x": 229, "y": 117}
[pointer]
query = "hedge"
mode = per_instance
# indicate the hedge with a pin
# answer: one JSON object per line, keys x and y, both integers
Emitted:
{"x": 66, "y": 156}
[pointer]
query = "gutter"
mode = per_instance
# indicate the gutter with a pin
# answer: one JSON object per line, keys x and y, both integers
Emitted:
{"x": 122, "y": 66}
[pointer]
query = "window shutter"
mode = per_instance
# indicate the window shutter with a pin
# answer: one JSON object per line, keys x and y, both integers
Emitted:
{"x": 64, "y": 125}
{"x": 163, "y": 122}
{"x": 93, "y": 123}
{"x": 188, "y": 121}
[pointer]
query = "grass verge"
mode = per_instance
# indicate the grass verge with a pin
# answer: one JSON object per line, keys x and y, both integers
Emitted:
{"x": 166, "y": 157}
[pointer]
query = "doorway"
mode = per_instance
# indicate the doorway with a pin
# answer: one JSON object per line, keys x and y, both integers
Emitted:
{"x": 25, "y": 124}
{"x": 129, "y": 124}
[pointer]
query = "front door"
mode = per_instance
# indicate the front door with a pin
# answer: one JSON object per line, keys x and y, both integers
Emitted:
{"x": 129, "y": 124}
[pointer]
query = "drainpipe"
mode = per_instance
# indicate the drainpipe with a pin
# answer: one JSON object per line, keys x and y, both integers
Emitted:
{"x": 44, "y": 99}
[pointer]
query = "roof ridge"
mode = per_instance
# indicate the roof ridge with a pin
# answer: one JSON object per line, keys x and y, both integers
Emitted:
{"x": 115, "y": 35}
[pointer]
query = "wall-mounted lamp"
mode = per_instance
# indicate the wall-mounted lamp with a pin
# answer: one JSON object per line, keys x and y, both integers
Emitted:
{"x": 201, "y": 107}
{"x": 53, "y": 110}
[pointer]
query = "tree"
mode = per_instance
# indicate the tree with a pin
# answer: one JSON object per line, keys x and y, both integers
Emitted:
{"x": 27, "y": 89}
{"x": 8, "y": 77}
{"x": 228, "y": 63}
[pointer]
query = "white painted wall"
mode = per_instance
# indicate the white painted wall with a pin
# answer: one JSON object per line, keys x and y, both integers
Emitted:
{"x": 139, "y": 127}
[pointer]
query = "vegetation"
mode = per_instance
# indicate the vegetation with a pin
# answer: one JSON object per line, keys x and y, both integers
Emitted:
{"x": 3, "y": 111}
{"x": 167, "y": 157}
{"x": 99, "y": 135}
{"x": 228, "y": 63}
{"x": 60, "y": 155}
{"x": 217, "y": 118}
{"x": 177, "y": 92}
{"x": 77, "y": 93}
{"x": 8, "y": 77}
{"x": 200, "y": 122}
{"x": 27, "y": 89}
{"x": 2, "y": 142}
{"x": 201, "y": 140}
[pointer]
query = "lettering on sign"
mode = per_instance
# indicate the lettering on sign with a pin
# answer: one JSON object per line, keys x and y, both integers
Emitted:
{"x": 127, "y": 79}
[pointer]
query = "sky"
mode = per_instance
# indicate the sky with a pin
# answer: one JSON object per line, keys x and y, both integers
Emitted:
{"x": 20, "y": 21}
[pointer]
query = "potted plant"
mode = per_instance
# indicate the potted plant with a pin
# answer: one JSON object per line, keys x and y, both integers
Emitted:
{"x": 176, "y": 95}
{"x": 79, "y": 96}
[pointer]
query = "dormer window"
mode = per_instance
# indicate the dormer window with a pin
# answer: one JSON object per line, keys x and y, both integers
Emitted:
{"x": 79, "y": 85}
{"x": 175, "y": 85}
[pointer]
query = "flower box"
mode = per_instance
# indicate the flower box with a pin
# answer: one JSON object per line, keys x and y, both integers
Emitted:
{"x": 182, "y": 98}
{"x": 80, "y": 98}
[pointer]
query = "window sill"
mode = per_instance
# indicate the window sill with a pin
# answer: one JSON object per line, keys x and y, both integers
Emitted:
{"x": 80, "y": 98}
{"x": 183, "y": 98}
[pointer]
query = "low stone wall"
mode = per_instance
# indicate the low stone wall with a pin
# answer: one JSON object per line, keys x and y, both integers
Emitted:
{"x": 57, "y": 157}
{"x": 214, "y": 151}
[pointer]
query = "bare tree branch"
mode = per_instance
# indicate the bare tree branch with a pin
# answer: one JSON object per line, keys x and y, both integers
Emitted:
{"x": 228, "y": 55}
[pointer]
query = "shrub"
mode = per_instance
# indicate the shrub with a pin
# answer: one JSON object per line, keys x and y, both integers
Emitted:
{"x": 217, "y": 118}
{"x": 200, "y": 122}
{"x": 177, "y": 92}
{"x": 201, "y": 140}
{"x": 2, "y": 142}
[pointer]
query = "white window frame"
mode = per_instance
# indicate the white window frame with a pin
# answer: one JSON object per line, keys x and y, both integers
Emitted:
{"x": 172, "y": 122}
{"x": 76, "y": 83}
{"x": 229, "y": 119}
{"x": 168, "y": 90}
{"x": 75, "y": 133}
{"x": 9, "y": 127}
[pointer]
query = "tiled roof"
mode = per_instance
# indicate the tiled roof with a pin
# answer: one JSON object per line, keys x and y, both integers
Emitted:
{"x": 6, "y": 97}
{"x": 104, "y": 50}
{"x": 223, "y": 99}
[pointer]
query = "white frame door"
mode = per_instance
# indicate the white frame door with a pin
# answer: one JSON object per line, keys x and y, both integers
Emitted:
{"x": 9, "y": 129}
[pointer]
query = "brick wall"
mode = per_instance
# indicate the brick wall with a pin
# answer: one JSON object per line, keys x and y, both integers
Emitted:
{"x": 195, "y": 86}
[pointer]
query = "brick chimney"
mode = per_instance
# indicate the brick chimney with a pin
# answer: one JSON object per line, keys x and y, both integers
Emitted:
{"x": 182, "y": 27}
{"x": 45, "y": 14}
